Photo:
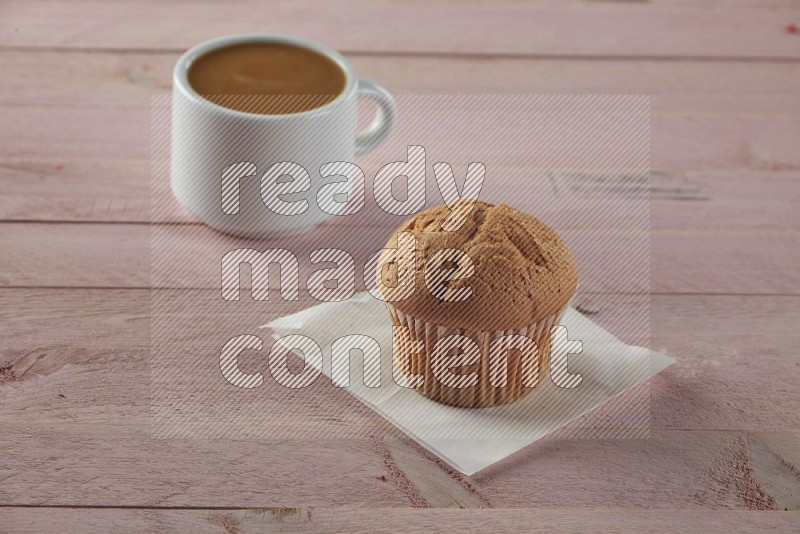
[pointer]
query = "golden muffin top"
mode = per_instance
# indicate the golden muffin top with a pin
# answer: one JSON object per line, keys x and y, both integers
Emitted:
{"x": 522, "y": 270}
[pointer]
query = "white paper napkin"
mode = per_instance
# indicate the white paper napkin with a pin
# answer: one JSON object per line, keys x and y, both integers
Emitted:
{"x": 473, "y": 439}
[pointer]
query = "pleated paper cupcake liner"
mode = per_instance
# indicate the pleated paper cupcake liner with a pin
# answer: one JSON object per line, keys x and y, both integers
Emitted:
{"x": 526, "y": 365}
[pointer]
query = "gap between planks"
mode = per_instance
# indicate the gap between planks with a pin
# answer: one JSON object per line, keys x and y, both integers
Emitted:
{"x": 504, "y": 27}
{"x": 456, "y": 56}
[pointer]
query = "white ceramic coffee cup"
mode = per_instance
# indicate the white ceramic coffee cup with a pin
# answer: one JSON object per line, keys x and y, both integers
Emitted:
{"x": 208, "y": 138}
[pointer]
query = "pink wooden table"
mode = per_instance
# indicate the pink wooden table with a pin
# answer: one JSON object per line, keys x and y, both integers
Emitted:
{"x": 76, "y": 452}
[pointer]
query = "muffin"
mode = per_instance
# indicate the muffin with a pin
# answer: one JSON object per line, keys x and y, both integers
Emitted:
{"x": 521, "y": 279}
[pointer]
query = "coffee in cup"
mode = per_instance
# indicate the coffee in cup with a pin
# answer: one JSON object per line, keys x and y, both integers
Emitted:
{"x": 246, "y": 105}
{"x": 269, "y": 78}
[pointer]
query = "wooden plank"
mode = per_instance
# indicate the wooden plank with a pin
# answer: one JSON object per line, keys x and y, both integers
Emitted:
{"x": 188, "y": 256}
{"x": 389, "y": 520}
{"x": 48, "y": 185}
{"x": 504, "y": 27}
{"x": 55, "y": 190}
{"x": 109, "y": 335}
{"x": 122, "y": 466}
{"x": 102, "y": 464}
{"x": 40, "y": 190}
{"x": 100, "y": 78}
{"x": 680, "y": 141}
{"x": 689, "y": 470}
{"x": 38, "y": 184}
{"x": 86, "y": 389}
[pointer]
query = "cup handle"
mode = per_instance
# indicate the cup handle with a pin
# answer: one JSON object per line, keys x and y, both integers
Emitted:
{"x": 384, "y": 120}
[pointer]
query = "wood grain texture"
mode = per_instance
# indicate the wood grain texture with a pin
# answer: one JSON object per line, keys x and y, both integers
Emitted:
{"x": 121, "y": 465}
{"x": 695, "y": 470}
{"x": 681, "y": 141}
{"x": 505, "y": 27}
{"x": 189, "y": 256}
{"x": 721, "y": 102}
{"x": 108, "y": 336}
{"x": 86, "y": 389}
{"x": 76, "y": 449}
{"x": 100, "y": 77}
{"x": 49, "y": 190}
{"x": 380, "y": 521}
